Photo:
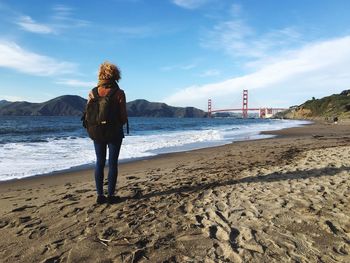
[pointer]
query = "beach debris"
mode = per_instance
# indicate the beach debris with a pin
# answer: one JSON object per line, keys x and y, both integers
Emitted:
{"x": 221, "y": 206}
{"x": 103, "y": 241}
{"x": 332, "y": 227}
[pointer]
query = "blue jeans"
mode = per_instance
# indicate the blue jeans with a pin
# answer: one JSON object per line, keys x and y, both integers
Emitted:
{"x": 113, "y": 152}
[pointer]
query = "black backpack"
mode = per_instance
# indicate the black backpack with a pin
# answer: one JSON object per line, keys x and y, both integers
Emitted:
{"x": 100, "y": 117}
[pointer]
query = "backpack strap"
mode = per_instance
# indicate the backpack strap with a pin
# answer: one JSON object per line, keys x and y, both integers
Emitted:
{"x": 112, "y": 92}
{"x": 114, "y": 89}
{"x": 127, "y": 126}
{"x": 95, "y": 92}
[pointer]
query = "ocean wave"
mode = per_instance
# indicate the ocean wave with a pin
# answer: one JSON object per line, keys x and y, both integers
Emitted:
{"x": 46, "y": 155}
{"x": 30, "y": 130}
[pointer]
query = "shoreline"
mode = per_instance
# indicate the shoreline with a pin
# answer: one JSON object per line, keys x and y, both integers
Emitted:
{"x": 77, "y": 175}
{"x": 280, "y": 199}
{"x": 220, "y": 136}
{"x": 90, "y": 167}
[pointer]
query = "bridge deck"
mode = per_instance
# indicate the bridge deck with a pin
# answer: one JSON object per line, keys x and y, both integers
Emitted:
{"x": 250, "y": 109}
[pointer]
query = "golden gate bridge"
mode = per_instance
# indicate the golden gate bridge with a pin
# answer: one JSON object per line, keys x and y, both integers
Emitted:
{"x": 264, "y": 112}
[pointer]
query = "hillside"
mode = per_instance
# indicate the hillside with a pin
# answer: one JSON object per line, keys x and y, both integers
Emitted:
{"x": 67, "y": 105}
{"x": 4, "y": 102}
{"x": 321, "y": 109}
{"x": 70, "y": 105}
{"x": 144, "y": 108}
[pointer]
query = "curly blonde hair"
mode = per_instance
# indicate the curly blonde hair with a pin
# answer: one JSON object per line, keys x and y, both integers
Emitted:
{"x": 109, "y": 71}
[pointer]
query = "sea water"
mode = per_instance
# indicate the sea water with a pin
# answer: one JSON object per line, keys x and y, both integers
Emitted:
{"x": 35, "y": 145}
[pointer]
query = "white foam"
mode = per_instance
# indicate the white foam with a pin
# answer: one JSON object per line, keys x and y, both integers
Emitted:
{"x": 18, "y": 160}
{"x": 149, "y": 145}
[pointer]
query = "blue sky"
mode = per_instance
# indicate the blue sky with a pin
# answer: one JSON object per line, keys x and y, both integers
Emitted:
{"x": 181, "y": 52}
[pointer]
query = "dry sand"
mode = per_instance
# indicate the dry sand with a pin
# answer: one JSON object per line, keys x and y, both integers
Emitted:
{"x": 284, "y": 199}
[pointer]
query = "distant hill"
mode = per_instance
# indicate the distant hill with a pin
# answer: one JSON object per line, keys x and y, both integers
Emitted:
{"x": 4, "y": 102}
{"x": 70, "y": 105}
{"x": 144, "y": 108}
{"x": 325, "y": 108}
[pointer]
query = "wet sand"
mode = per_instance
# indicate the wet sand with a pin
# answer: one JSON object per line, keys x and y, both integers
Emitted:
{"x": 285, "y": 199}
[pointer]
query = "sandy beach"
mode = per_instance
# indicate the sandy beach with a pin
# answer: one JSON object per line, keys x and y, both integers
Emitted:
{"x": 285, "y": 199}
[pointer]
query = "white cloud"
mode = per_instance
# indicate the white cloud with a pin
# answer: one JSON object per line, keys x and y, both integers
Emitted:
{"x": 63, "y": 17}
{"x": 321, "y": 67}
{"x": 188, "y": 66}
{"x": 210, "y": 73}
{"x": 12, "y": 98}
{"x": 14, "y": 57}
{"x": 134, "y": 31}
{"x": 77, "y": 83}
{"x": 180, "y": 67}
{"x": 28, "y": 24}
{"x": 62, "y": 11}
{"x": 236, "y": 38}
{"x": 189, "y": 4}
{"x": 235, "y": 10}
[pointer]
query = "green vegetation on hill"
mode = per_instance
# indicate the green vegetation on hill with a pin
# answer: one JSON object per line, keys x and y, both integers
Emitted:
{"x": 70, "y": 105}
{"x": 336, "y": 105}
{"x": 144, "y": 108}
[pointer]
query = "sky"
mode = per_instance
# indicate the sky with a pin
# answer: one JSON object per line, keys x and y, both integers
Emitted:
{"x": 181, "y": 52}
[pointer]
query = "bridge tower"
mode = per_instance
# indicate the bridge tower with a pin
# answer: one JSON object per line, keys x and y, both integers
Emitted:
{"x": 245, "y": 104}
{"x": 209, "y": 108}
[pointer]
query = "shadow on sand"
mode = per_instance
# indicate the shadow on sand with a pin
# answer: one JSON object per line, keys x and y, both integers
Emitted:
{"x": 273, "y": 177}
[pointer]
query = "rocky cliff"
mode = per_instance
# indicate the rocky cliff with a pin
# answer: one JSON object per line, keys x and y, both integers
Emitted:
{"x": 336, "y": 105}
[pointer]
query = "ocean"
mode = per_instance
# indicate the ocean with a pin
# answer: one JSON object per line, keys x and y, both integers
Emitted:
{"x": 36, "y": 145}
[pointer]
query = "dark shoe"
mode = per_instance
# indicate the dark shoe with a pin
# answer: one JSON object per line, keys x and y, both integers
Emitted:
{"x": 113, "y": 199}
{"x": 101, "y": 199}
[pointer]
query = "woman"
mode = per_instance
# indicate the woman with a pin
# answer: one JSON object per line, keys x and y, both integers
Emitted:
{"x": 108, "y": 76}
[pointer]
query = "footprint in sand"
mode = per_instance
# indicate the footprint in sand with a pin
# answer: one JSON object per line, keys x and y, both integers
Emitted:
{"x": 67, "y": 205}
{"x": 73, "y": 212}
{"x": 110, "y": 233}
{"x": 23, "y": 208}
{"x": 4, "y": 222}
{"x": 24, "y": 219}
{"x": 199, "y": 219}
{"x": 25, "y": 224}
{"x": 81, "y": 191}
{"x": 57, "y": 243}
{"x": 71, "y": 197}
{"x": 132, "y": 177}
{"x": 54, "y": 259}
{"x": 38, "y": 232}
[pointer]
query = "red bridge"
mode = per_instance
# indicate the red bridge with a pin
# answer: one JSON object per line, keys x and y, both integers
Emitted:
{"x": 264, "y": 112}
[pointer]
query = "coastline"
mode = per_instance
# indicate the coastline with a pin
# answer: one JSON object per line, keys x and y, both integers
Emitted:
{"x": 58, "y": 153}
{"x": 194, "y": 205}
{"x": 90, "y": 167}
